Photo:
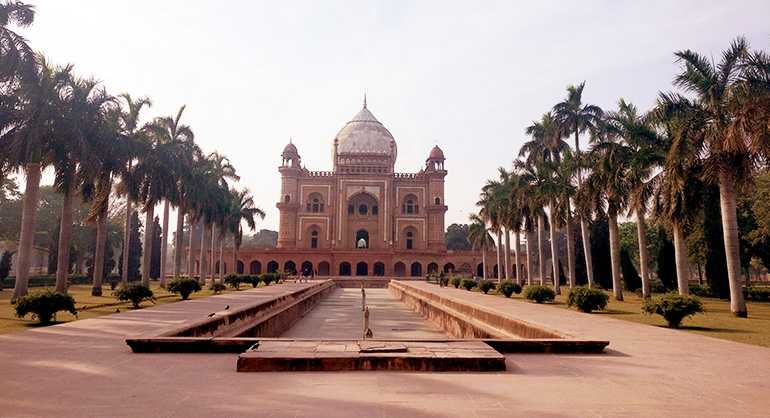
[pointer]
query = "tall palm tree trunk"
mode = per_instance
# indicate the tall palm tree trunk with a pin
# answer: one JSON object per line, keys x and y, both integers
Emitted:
{"x": 680, "y": 255}
{"x": 540, "y": 247}
{"x": 530, "y": 257}
{"x": 554, "y": 251}
{"x": 507, "y": 254}
{"x": 65, "y": 240}
{"x": 236, "y": 248}
{"x": 517, "y": 242}
{"x": 203, "y": 263}
{"x": 179, "y": 241}
{"x": 222, "y": 259}
{"x": 617, "y": 288}
{"x": 483, "y": 263}
{"x": 212, "y": 252}
{"x": 164, "y": 245}
{"x": 27, "y": 233}
{"x": 101, "y": 241}
{"x": 727, "y": 205}
{"x": 570, "y": 251}
{"x": 499, "y": 261}
{"x": 641, "y": 232}
{"x": 149, "y": 225}
{"x": 586, "y": 236}
{"x": 191, "y": 250}
{"x": 126, "y": 241}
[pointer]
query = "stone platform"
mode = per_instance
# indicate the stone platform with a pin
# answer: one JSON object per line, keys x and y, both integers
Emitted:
{"x": 372, "y": 355}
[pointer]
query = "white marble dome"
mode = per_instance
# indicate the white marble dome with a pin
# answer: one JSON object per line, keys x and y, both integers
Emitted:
{"x": 365, "y": 135}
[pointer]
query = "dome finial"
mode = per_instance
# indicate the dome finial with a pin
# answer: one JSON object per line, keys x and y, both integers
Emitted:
{"x": 364, "y": 100}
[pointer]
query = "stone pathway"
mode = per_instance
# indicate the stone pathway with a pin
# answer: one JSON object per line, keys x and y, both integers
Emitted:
{"x": 339, "y": 316}
{"x": 85, "y": 369}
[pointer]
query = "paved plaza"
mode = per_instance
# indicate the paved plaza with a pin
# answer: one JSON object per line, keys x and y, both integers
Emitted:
{"x": 85, "y": 369}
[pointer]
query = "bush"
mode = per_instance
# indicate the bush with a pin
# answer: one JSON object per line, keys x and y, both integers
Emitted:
{"x": 44, "y": 305}
{"x": 443, "y": 280}
{"x": 184, "y": 286}
{"x": 702, "y": 291}
{"x": 217, "y": 287}
{"x": 673, "y": 307}
{"x": 587, "y": 299}
{"x": 456, "y": 282}
{"x": 757, "y": 294}
{"x": 268, "y": 278}
{"x": 508, "y": 288}
{"x": 136, "y": 293}
{"x": 234, "y": 281}
{"x": 253, "y": 279}
{"x": 539, "y": 293}
{"x": 485, "y": 286}
{"x": 468, "y": 284}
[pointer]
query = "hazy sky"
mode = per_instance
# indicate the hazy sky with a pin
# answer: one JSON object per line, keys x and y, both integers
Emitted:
{"x": 468, "y": 76}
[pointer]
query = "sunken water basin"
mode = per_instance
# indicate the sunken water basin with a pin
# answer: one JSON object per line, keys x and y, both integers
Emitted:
{"x": 320, "y": 327}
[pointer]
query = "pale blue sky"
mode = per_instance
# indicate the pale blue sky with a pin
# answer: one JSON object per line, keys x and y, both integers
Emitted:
{"x": 468, "y": 76}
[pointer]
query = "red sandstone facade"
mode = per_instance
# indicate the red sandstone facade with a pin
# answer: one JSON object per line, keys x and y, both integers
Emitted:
{"x": 362, "y": 218}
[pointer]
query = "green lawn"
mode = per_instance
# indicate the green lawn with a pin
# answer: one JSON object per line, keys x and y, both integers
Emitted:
{"x": 88, "y": 306}
{"x": 716, "y": 322}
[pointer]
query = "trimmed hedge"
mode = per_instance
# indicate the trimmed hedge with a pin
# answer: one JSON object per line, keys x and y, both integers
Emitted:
{"x": 485, "y": 286}
{"x": 456, "y": 281}
{"x": 508, "y": 288}
{"x": 586, "y": 299}
{"x": 184, "y": 286}
{"x": 217, "y": 287}
{"x": 468, "y": 284}
{"x": 757, "y": 294}
{"x": 673, "y": 307}
{"x": 47, "y": 280}
{"x": 234, "y": 280}
{"x": 136, "y": 293}
{"x": 539, "y": 293}
{"x": 44, "y": 305}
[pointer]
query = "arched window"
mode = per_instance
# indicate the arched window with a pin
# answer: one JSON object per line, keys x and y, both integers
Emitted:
{"x": 362, "y": 239}
{"x": 375, "y": 210}
{"x": 286, "y": 199}
{"x": 409, "y": 240}
{"x": 363, "y": 209}
{"x": 314, "y": 239}
{"x": 410, "y": 206}
{"x": 362, "y": 204}
{"x": 437, "y": 200}
{"x": 315, "y": 203}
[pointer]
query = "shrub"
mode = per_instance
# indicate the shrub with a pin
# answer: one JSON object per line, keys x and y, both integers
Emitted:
{"x": 443, "y": 280}
{"x": 508, "y": 288}
{"x": 268, "y": 278}
{"x": 468, "y": 284}
{"x": 253, "y": 279}
{"x": 184, "y": 286}
{"x": 673, "y": 307}
{"x": 136, "y": 293}
{"x": 217, "y": 287}
{"x": 702, "y": 291}
{"x": 44, "y": 305}
{"x": 234, "y": 281}
{"x": 587, "y": 299}
{"x": 758, "y": 294}
{"x": 539, "y": 293}
{"x": 456, "y": 282}
{"x": 485, "y": 286}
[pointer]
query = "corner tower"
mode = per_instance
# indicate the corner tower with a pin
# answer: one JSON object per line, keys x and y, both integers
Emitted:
{"x": 288, "y": 204}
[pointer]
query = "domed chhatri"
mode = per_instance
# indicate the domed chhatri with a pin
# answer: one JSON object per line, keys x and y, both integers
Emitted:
{"x": 436, "y": 154}
{"x": 365, "y": 135}
{"x": 290, "y": 149}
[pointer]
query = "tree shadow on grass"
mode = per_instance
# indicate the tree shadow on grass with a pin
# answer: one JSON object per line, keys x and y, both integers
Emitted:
{"x": 710, "y": 329}
{"x": 613, "y": 312}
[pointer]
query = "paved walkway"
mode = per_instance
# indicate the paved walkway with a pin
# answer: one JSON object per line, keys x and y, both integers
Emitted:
{"x": 85, "y": 369}
{"x": 339, "y": 316}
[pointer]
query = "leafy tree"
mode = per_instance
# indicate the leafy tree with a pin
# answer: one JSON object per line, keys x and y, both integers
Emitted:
{"x": 666, "y": 270}
{"x": 631, "y": 278}
{"x": 600, "y": 249}
{"x": 456, "y": 237}
{"x": 5, "y": 266}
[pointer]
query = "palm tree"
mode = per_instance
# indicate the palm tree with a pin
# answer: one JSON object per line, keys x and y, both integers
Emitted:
{"x": 169, "y": 130}
{"x": 729, "y": 152}
{"x": 609, "y": 187}
{"x": 33, "y": 109}
{"x": 515, "y": 216}
{"x": 536, "y": 175}
{"x": 563, "y": 192}
{"x": 478, "y": 235}
{"x": 135, "y": 134}
{"x": 492, "y": 206}
{"x": 575, "y": 117}
{"x": 644, "y": 155}
{"x": 242, "y": 209}
{"x": 84, "y": 108}
{"x": 14, "y": 50}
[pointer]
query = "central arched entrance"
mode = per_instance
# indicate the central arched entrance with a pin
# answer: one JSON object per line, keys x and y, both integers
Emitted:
{"x": 362, "y": 238}
{"x": 362, "y": 269}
